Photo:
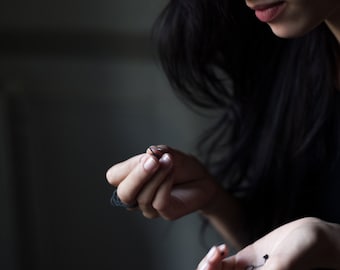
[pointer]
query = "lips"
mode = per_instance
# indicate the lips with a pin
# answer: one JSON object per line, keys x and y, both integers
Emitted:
{"x": 268, "y": 12}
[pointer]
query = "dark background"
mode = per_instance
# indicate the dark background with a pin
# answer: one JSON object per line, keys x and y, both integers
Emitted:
{"x": 81, "y": 89}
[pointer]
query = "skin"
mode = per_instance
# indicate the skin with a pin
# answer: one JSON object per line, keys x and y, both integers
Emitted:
{"x": 307, "y": 243}
{"x": 304, "y": 244}
{"x": 173, "y": 184}
{"x": 169, "y": 187}
{"x": 301, "y": 16}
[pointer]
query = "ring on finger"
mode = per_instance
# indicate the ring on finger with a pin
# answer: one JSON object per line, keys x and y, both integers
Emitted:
{"x": 116, "y": 202}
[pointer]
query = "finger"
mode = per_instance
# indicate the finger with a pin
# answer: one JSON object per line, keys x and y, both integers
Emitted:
{"x": 147, "y": 195}
{"x": 230, "y": 264}
{"x": 162, "y": 201}
{"x": 182, "y": 198}
{"x": 172, "y": 202}
{"x": 118, "y": 172}
{"x": 250, "y": 258}
{"x": 186, "y": 167}
{"x": 213, "y": 260}
{"x": 137, "y": 178}
{"x": 205, "y": 262}
{"x": 224, "y": 251}
{"x": 158, "y": 150}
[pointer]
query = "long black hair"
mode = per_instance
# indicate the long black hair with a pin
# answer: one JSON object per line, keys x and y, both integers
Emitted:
{"x": 275, "y": 133}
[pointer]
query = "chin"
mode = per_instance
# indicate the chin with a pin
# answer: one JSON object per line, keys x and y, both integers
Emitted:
{"x": 286, "y": 34}
{"x": 291, "y": 31}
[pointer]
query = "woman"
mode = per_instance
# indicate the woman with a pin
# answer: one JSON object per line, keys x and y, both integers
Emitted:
{"x": 275, "y": 147}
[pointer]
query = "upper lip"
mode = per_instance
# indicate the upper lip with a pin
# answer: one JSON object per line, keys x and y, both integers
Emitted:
{"x": 262, "y": 6}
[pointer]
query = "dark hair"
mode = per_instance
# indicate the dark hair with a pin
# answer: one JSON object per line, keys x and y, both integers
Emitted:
{"x": 275, "y": 132}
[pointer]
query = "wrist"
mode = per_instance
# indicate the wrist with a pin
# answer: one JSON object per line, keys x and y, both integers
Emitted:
{"x": 216, "y": 202}
{"x": 224, "y": 212}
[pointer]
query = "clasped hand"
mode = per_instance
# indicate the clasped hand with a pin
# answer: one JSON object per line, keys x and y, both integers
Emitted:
{"x": 168, "y": 185}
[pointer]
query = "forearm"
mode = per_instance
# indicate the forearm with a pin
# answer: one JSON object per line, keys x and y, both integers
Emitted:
{"x": 225, "y": 213}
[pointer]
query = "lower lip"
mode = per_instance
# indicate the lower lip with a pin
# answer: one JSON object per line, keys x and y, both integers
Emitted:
{"x": 269, "y": 14}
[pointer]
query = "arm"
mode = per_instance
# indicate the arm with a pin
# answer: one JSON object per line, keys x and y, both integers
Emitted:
{"x": 304, "y": 244}
{"x": 172, "y": 184}
{"x": 225, "y": 213}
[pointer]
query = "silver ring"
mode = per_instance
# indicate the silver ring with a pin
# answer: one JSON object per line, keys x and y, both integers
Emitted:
{"x": 116, "y": 202}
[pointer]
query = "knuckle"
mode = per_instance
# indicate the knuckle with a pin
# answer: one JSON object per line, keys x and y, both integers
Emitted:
{"x": 144, "y": 202}
{"x": 169, "y": 218}
{"x": 150, "y": 214}
{"x": 160, "y": 205}
{"x": 165, "y": 211}
{"x": 311, "y": 220}
{"x": 125, "y": 197}
{"x": 163, "y": 147}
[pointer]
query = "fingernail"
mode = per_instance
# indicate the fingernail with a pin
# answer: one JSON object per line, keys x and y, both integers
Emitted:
{"x": 223, "y": 249}
{"x": 150, "y": 164}
{"x": 155, "y": 151}
{"x": 211, "y": 253}
{"x": 165, "y": 159}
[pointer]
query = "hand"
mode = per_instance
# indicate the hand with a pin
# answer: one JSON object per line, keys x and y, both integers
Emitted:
{"x": 169, "y": 184}
{"x": 304, "y": 244}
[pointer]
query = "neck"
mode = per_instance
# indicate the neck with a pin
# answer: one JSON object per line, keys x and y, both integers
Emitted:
{"x": 333, "y": 23}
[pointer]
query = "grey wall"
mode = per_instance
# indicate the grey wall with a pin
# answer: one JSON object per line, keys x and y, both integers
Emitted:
{"x": 81, "y": 90}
